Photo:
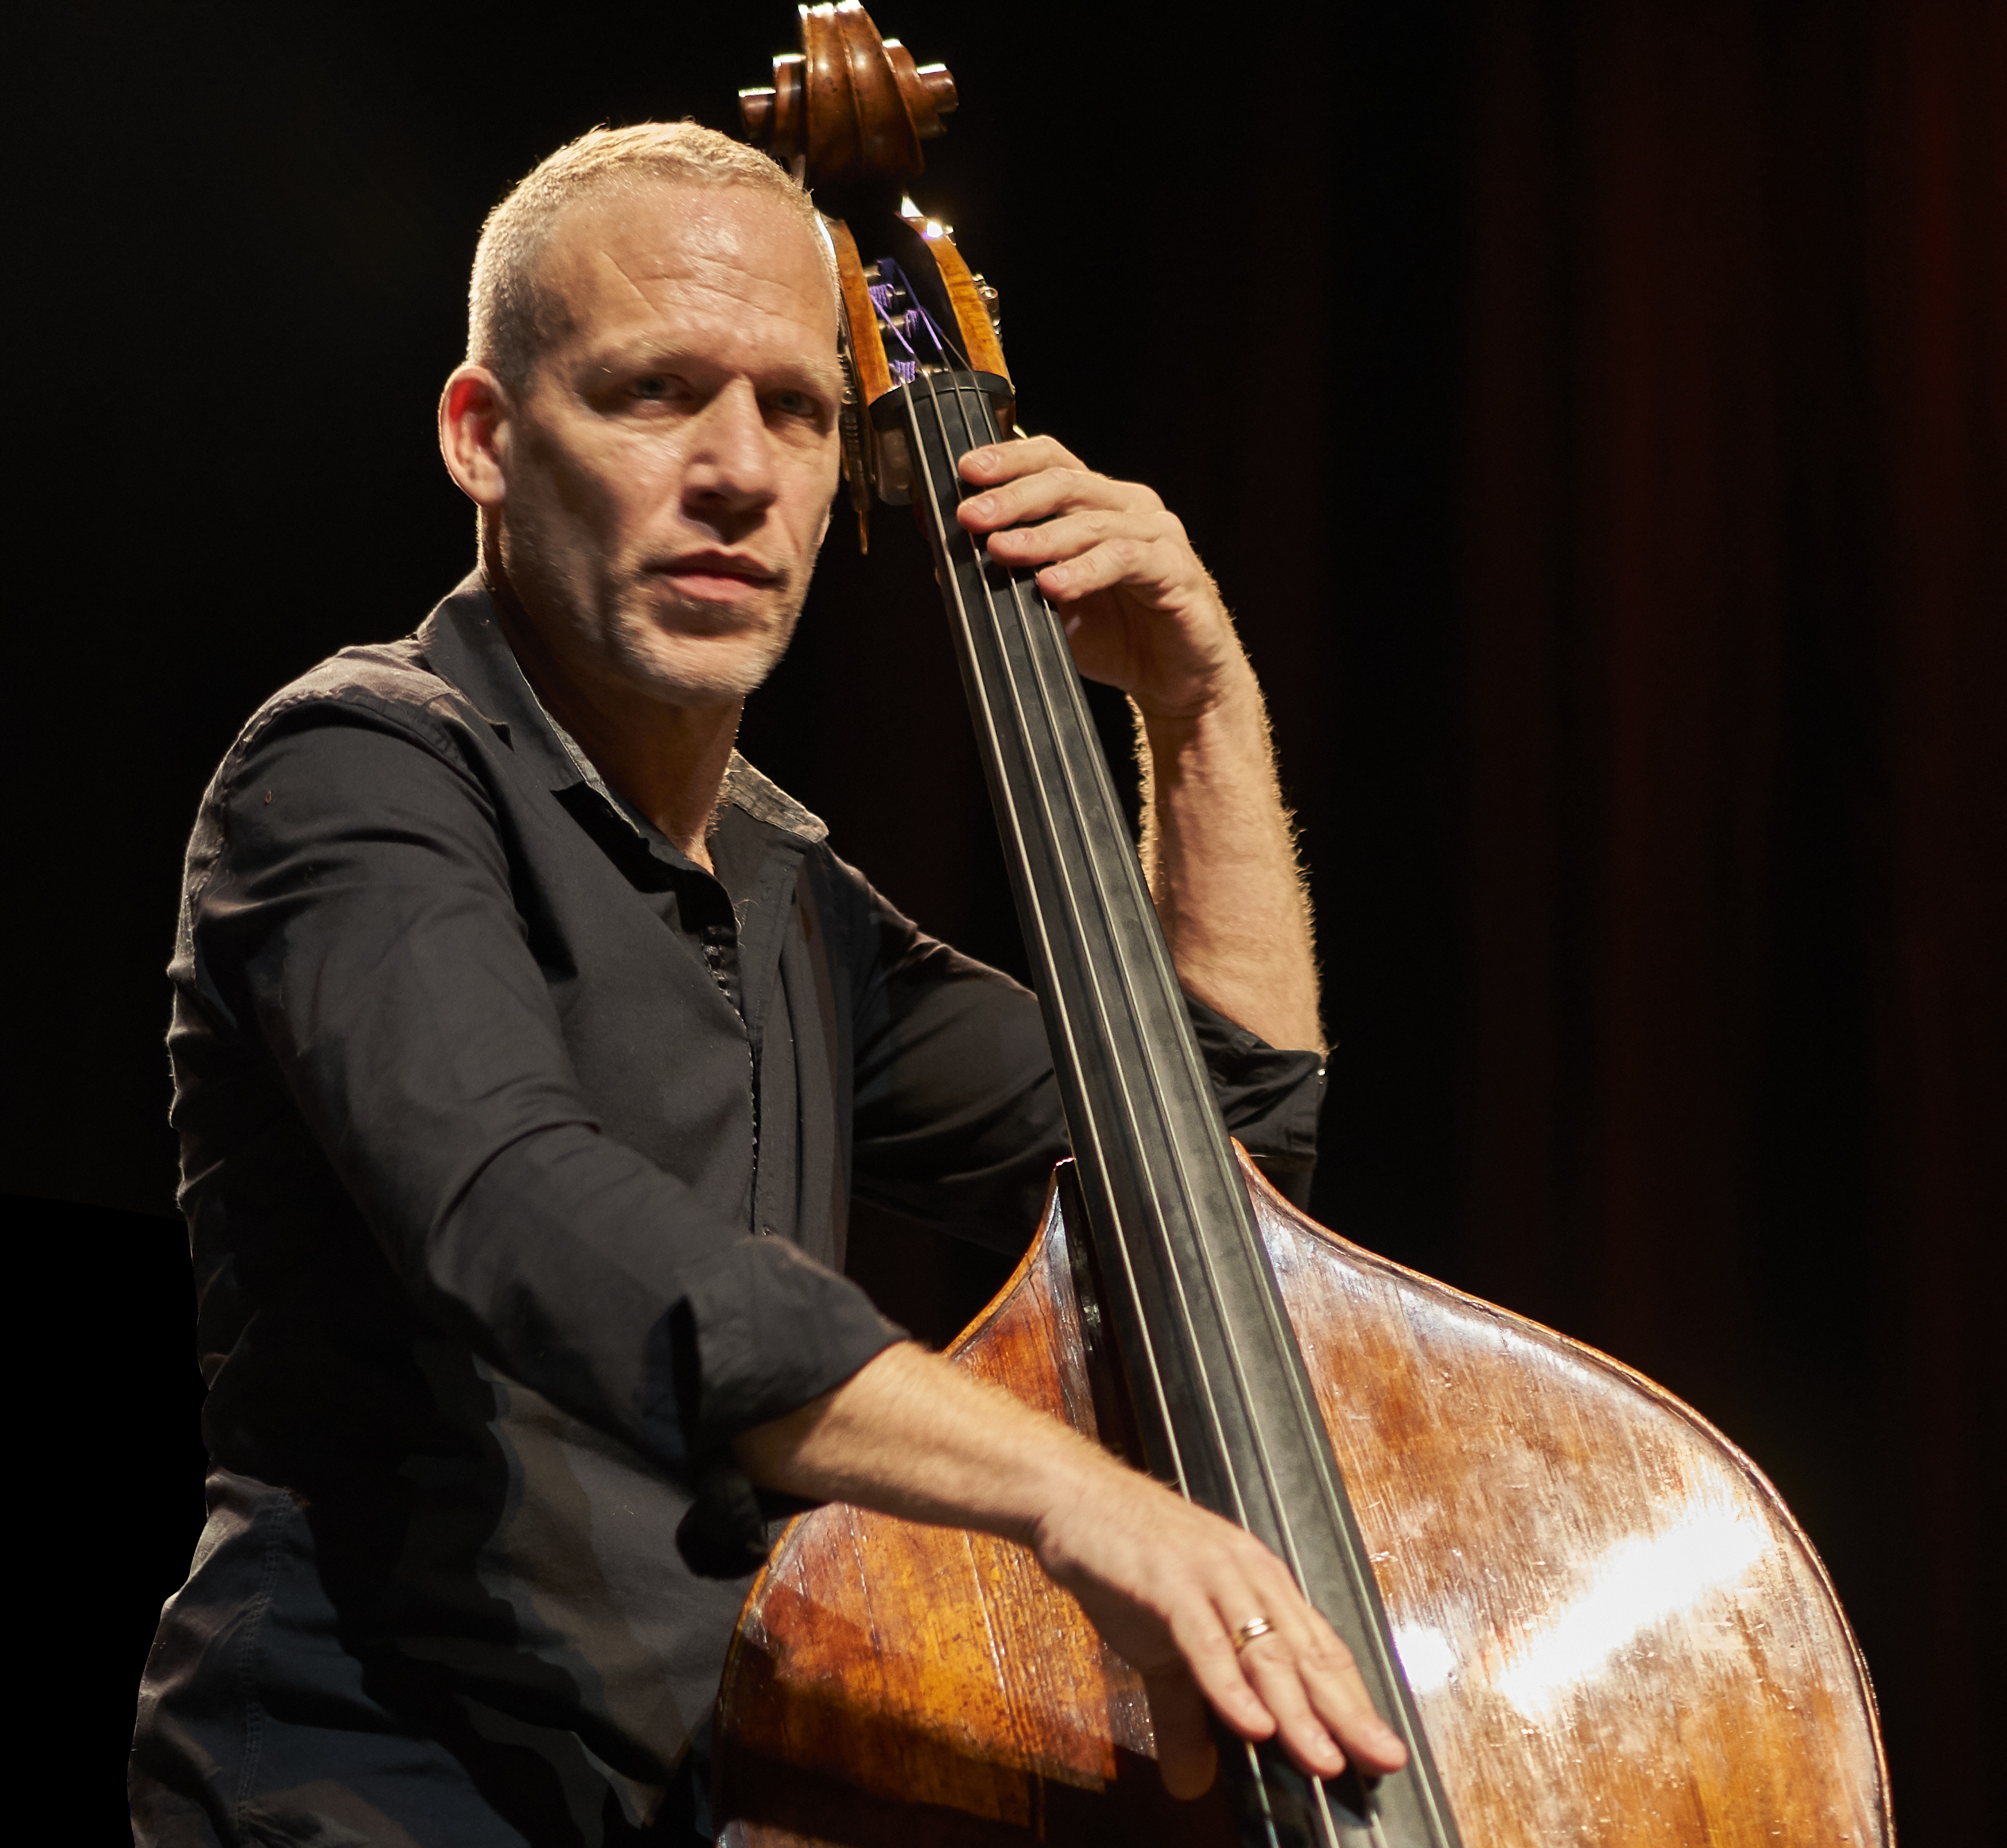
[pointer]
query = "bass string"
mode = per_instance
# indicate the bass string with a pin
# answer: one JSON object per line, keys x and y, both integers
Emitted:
{"x": 1035, "y": 633}
{"x": 1076, "y": 806}
{"x": 1046, "y": 650}
{"x": 1049, "y": 659}
{"x": 1056, "y": 689}
{"x": 1328, "y": 1827}
{"x": 1036, "y": 907}
{"x": 1077, "y": 915}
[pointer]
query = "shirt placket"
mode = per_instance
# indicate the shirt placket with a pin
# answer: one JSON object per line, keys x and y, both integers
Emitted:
{"x": 718, "y": 938}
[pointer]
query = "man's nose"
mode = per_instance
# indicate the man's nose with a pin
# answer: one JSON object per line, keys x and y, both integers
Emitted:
{"x": 731, "y": 472}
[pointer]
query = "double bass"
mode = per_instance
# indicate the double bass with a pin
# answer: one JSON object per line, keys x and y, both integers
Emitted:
{"x": 1587, "y": 1614}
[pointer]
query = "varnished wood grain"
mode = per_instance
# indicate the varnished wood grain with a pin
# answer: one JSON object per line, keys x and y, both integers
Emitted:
{"x": 883, "y": 1657}
{"x": 858, "y": 122}
{"x": 867, "y": 345}
{"x": 984, "y": 351}
{"x": 1616, "y": 1635}
{"x": 848, "y": 106}
{"x": 1615, "y": 1632}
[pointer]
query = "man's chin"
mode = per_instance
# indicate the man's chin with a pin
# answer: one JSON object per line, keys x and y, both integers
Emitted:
{"x": 700, "y": 671}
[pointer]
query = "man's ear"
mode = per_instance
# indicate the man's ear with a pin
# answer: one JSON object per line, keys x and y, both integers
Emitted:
{"x": 474, "y": 414}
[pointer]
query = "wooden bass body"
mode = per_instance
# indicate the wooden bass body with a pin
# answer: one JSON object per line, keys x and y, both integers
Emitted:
{"x": 1614, "y": 1630}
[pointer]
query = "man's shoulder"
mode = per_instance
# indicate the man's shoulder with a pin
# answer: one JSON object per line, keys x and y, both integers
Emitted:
{"x": 430, "y": 684}
{"x": 393, "y": 680}
{"x": 395, "y": 673}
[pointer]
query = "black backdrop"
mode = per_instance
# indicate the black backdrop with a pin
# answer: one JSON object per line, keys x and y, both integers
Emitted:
{"x": 1397, "y": 308}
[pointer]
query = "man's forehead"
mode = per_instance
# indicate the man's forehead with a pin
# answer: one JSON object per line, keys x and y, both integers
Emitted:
{"x": 641, "y": 248}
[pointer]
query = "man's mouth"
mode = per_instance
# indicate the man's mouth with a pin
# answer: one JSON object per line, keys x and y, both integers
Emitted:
{"x": 714, "y": 577}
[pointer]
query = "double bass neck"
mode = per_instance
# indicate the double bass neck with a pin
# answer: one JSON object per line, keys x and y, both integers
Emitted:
{"x": 1222, "y": 1403}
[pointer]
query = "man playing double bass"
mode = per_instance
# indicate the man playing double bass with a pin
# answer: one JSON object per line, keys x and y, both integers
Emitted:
{"x": 528, "y": 1045}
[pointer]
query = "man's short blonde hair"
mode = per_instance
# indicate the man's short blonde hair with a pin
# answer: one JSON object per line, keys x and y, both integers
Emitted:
{"x": 512, "y": 320}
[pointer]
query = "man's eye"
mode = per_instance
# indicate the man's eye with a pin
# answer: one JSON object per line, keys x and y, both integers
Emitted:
{"x": 795, "y": 403}
{"x": 651, "y": 388}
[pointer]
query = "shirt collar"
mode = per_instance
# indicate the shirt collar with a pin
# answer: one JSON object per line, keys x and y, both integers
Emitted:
{"x": 464, "y": 643}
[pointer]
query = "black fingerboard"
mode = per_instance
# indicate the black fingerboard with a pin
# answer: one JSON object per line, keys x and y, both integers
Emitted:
{"x": 1225, "y": 1407}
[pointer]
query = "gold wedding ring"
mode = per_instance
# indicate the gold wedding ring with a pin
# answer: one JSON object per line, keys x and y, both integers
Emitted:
{"x": 1255, "y": 1627}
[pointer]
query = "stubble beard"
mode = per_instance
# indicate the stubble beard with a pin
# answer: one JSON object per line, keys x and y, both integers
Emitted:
{"x": 659, "y": 641}
{"x": 653, "y": 642}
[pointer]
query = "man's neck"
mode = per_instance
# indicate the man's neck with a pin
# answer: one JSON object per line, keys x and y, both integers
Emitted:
{"x": 669, "y": 761}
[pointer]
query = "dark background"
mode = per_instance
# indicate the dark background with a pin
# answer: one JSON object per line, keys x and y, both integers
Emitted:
{"x": 1596, "y": 414}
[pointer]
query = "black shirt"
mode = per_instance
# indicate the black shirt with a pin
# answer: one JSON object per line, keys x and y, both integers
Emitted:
{"x": 518, "y": 1151}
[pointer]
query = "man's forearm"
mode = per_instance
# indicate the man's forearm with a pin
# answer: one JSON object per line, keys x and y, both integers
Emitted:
{"x": 1220, "y": 856}
{"x": 912, "y": 1435}
{"x": 1164, "y": 1581}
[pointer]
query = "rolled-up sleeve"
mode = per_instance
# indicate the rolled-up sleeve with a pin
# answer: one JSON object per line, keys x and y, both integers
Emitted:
{"x": 1269, "y": 1098}
{"x": 357, "y": 930}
